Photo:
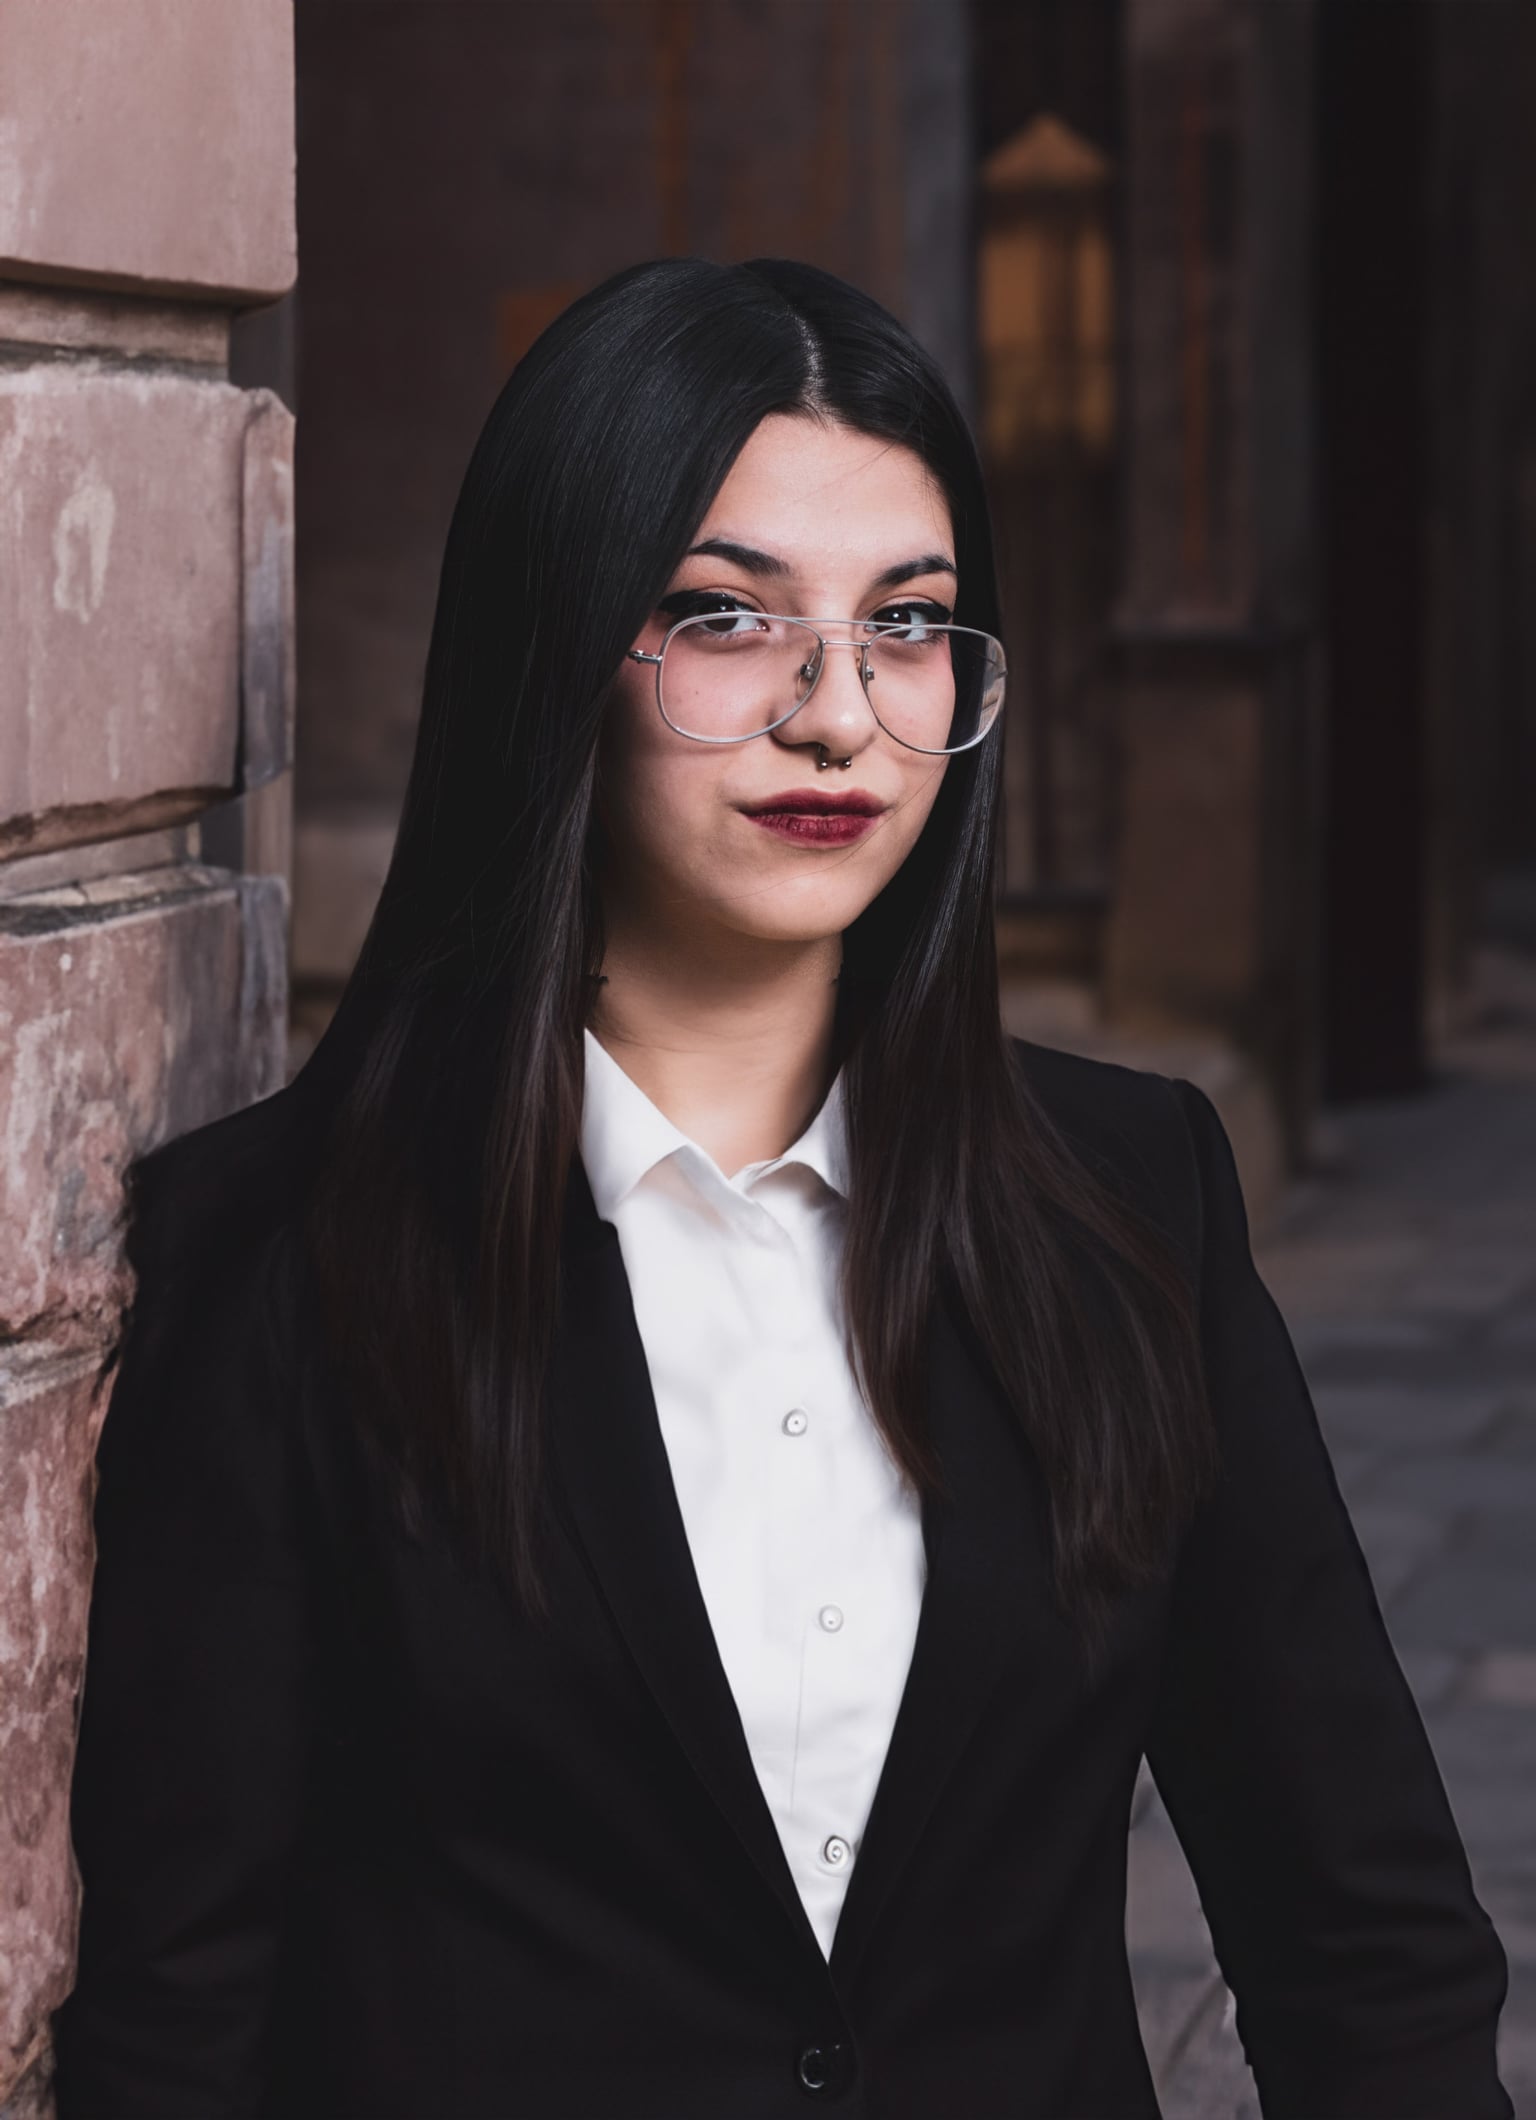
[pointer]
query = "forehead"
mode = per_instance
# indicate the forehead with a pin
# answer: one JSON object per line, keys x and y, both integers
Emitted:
{"x": 811, "y": 491}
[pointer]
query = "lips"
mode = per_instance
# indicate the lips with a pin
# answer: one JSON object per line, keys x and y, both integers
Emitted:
{"x": 831, "y": 825}
{"x": 814, "y": 802}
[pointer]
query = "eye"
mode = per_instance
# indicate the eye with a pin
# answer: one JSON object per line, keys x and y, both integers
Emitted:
{"x": 701, "y": 603}
{"x": 913, "y": 615}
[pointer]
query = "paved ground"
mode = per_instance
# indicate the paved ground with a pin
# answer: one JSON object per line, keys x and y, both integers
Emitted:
{"x": 1407, "y": 1273}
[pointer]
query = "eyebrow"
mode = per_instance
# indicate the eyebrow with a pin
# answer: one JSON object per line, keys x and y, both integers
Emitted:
{"x": 769, "y": 567}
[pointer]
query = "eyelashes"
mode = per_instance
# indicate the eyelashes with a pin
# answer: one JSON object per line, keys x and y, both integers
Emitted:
{"x": 695, "y": 603}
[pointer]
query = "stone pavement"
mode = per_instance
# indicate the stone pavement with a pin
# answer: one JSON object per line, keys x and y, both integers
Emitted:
{"x": 1405, "y": 1266}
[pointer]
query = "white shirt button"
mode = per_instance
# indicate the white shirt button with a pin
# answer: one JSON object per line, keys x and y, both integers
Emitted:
{"x": 831, "y": 1617}
{"x": 794, "y": 1422}
{"x": 836, "y": 1852}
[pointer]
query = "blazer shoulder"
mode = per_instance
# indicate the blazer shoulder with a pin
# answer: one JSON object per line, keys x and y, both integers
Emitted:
{"x": 206, "y": 1426}
{"x": 206, "y": 1197}
{"x": 209, "y": 1230}
{"x": 1129, "y": 1125}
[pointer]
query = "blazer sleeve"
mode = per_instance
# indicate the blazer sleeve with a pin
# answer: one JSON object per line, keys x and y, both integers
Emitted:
{"x": 1291, "y": 1756}
{"x": 195, "y": 1709}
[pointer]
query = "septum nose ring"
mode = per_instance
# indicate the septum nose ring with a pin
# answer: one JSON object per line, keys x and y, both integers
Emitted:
{"x": 805, "y": 670}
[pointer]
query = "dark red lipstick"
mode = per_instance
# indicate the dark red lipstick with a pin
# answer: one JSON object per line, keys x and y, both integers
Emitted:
{"x": 817, "y": 816}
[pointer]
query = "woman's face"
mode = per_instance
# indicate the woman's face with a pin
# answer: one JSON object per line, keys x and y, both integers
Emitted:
{"x": 813, "y": 521}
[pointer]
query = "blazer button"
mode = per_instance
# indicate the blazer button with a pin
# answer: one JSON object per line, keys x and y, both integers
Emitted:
{"x": 825, "y": 2070}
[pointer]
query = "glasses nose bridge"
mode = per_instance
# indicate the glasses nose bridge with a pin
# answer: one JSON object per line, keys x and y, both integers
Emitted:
{"x": 818, "y": 663}
{"x": 816, "y": 667}
{"x": 828, "y": 640}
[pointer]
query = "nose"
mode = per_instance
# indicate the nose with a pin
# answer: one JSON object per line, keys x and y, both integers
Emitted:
{"x": 837, "y": 713}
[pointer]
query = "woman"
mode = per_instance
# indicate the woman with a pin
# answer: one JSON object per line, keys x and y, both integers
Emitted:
{"x": 656, "y": 1497}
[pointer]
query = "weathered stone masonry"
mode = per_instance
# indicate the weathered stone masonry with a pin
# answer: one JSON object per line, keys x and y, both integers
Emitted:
{"x": 146, "y": 657}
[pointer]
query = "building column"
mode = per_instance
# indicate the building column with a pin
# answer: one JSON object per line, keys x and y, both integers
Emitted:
{"x": 1214, "y": 918}
{"x": 146, "y": 197}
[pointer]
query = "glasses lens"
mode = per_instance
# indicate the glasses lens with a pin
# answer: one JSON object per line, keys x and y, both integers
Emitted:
{"x": 937, "y": 688}
{"x": 735, "y": 673}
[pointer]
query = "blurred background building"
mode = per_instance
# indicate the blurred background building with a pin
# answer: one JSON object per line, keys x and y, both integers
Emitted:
{"x": 1234, "y": 295}
{"x": 1239, "y": 297}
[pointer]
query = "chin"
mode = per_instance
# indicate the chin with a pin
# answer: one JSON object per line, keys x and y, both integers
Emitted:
{"x": 826, "y": 926}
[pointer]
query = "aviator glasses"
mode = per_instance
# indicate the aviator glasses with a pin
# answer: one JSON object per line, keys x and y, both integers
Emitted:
{"x": 725, "y": 676}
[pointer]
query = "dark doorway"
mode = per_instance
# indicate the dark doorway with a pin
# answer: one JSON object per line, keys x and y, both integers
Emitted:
{"x": 1371, "y": 270}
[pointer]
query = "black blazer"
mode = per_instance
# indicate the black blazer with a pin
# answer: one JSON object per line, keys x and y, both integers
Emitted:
{"x": 357, "y": 1846}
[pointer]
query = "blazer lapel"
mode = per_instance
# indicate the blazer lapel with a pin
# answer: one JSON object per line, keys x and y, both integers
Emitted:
{"x": 618, "y": 1478}
{"x": 987, "y": 1588}
{"x": 985, "y": 1578}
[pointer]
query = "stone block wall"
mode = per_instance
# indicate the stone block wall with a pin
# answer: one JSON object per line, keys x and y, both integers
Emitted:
{"x": 146, "y": 719}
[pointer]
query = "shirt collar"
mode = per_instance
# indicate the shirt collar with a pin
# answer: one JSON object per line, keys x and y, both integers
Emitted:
{"x": 624, "y": 1135}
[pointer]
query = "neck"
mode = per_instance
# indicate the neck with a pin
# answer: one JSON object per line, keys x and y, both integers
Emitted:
{"x": 733, "y": 1043}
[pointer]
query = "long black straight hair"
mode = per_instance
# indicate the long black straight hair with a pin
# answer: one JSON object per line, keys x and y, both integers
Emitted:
{"x": 449, "y": 1081}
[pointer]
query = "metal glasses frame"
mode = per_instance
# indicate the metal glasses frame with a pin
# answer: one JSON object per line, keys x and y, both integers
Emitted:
{"x": 865, "y": 674}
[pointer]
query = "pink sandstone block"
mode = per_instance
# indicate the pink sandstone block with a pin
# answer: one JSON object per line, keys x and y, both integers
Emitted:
{"x": 49, "y": 1421}
{"x": 145, "y": 569}
{"x": 150, "y": 148}
{"x": 131, "y": 1008}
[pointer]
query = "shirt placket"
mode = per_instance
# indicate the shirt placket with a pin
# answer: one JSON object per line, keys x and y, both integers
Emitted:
{"x": 811, "y": 1575}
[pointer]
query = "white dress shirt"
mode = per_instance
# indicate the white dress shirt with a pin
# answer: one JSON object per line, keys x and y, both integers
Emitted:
{"x": 806, "y": 1542}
